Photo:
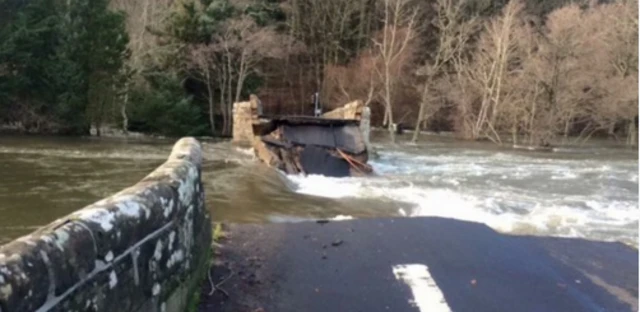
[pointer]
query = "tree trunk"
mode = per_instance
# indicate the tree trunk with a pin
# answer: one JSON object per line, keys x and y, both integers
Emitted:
{"x": 302, "y": 103}
{"x": 475, "y": 133}
{"x": 567, "y": 125}
{"x": 423, "y": 103}
{"x": 212, "y": 121}
{"x": 229, "y": 94}
{"x": 123, "y": 109}
{"x": 392, "y": 133}
{"x": 361, "y": 24}
{"x": 532, "y": 120}
{"x": 241, "y": 77}
{"x": 392, "y": 130}
{"x": 611, "y": 129}
{"x": 632, "y": 138}
{"x": 385, "y": 119}
{"x": 222, "y": 101}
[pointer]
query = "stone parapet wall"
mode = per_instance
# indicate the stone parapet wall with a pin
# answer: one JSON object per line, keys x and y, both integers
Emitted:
{"x": 351, "y": 110}
{"x": 145, "y": 248}
{"x": 355, "y": 110}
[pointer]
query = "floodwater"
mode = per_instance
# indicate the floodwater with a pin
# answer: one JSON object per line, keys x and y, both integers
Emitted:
{"x": 589, "y": 192}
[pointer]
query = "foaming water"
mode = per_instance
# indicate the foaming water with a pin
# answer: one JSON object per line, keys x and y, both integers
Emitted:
{"x": 569, "y": 195}
{"x": 588, "y": 192}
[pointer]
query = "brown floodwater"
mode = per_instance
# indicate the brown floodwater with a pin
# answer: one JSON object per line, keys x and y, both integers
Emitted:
{"x": 589, "y": 192}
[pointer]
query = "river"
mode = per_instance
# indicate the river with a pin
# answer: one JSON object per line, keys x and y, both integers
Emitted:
{"x": 589, "y": 192}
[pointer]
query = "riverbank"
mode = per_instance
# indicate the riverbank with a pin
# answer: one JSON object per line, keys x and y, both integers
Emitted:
{"x": 107, "y": 132}
{"x": 419, "y": 264}
{"x": 559, "y": 142}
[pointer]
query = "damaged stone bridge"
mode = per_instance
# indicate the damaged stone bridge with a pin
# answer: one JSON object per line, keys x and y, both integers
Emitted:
{"x": 145, "y": 248}
{"x": 335, "y": 144}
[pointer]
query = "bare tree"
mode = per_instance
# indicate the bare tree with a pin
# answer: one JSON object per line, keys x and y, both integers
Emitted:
{"x": 327, "y": 29}
{"x": 399, "y": 30}
{"x": 202, "y": 63}
{"x": 142, "y": 16}
{"x": 356, "y": 80}
{"x": 454, "y": 30}
{"x": 485, "y": 77}
{"x": 244, "y": 46}
{"x": 553, "y": 75}
{"x": 617, "y": 56}
{"x": 580, "y": 75}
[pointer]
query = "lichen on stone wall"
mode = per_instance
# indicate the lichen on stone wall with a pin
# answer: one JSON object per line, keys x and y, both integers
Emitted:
{"x": 119, "y": 254}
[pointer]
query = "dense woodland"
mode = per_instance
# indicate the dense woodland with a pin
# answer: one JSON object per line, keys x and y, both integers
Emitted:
{"x": 532, "y": 72}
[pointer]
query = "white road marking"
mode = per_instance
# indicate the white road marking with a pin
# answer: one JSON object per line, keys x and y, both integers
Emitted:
{"x": 426, "y": 294}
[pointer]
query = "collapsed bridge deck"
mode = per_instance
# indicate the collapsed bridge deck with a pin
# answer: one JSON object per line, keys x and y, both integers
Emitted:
{"x": 334, "y": 145}
{"x": 308, "y": 145}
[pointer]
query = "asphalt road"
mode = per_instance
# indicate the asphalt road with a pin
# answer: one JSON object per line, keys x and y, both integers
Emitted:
{"x": 417, "y": 265}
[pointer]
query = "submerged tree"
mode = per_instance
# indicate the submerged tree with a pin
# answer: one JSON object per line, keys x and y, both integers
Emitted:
{"x": 398, "y": 33}
{"x": 453, "y": 32}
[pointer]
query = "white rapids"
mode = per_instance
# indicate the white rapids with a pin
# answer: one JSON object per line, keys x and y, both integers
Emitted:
{"x": 554, "y": 194}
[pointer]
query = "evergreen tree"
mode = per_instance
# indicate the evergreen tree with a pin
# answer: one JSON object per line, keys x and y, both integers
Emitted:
{"x": 93, "y": 50}
{"x": 57, "y": 59}
{"x": 27, "y": 43}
